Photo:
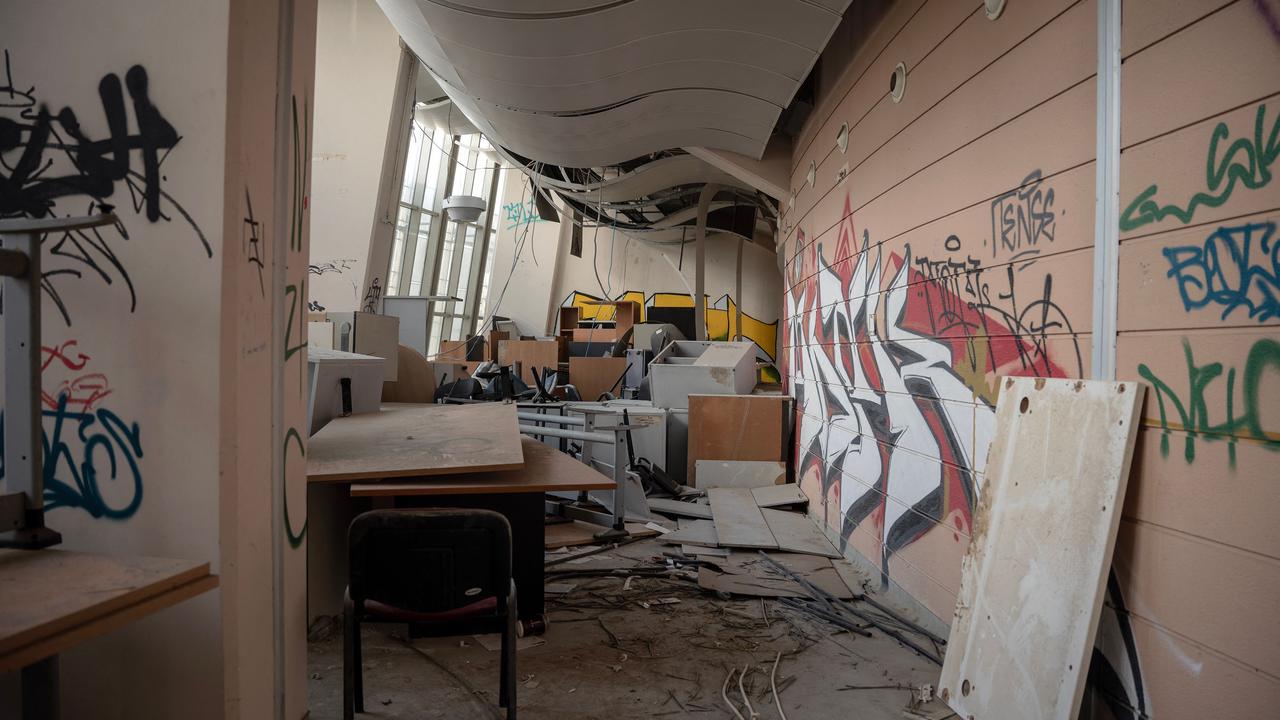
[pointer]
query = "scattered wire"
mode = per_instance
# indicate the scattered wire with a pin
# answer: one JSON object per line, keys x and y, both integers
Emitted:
{"x": 751, "y": 712}
{"x": 724, "y": 693}
{"x": 773, "y": 685}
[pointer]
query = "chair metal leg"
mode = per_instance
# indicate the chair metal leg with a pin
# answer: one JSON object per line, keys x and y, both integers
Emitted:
{"x": 359, "y": 664}
{"x": 507, "y": 693}
{"x": 350, "y": 666}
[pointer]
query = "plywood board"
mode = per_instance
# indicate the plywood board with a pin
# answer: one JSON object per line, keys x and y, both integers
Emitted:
{"x": 736, "y": 427}
{"x": 739, "y": 473}
{"x": 679, "y": 508}
{"x": 378, "y": 335}
{"x": 595, "y": 375}
{"x": 795, "y": 532}
{"x": 320, "y": 334}
{"x": 413, "y": 440}
{"x": 693, "y": 531}
{"x": 415, "y": 379}
{"x": 746, "y": 573}
{"x": 546, "y": 469}
{"x": 739, "y": 522}
{"x": 692, "y": 550}
{"x": 577, "y": 532}
{"x": 1044, "y": 530}
{"x": 53, "y": 599}
{"x": 531, "y": 354}
{"x": 779, "y": 495}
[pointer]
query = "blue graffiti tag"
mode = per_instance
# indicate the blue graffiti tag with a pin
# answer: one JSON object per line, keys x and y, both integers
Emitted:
{"x": 520, "y": 213}
{"x": 108, "y": 447}
{"x": 1236, "y": 267}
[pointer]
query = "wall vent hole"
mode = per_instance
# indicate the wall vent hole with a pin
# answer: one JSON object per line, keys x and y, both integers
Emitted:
{"x": 898, "y": 82}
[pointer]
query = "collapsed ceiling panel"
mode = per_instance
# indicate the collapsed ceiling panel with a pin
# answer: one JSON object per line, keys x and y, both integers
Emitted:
{"x": 584, "y": 83}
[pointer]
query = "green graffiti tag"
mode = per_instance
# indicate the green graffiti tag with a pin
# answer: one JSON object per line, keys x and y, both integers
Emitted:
{"x": 1193, "y": 416}
{"x": 1247, "y": 162}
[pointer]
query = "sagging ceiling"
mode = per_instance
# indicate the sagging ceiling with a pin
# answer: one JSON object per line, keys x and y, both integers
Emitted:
{"x": 593, "y": 99}
{"x": 585, "y": 83}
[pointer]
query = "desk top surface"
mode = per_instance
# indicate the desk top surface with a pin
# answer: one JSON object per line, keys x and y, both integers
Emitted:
{"x": 545, "y": 470}
{"x": 52, "y": 599}
{"x": 412, "y": 440}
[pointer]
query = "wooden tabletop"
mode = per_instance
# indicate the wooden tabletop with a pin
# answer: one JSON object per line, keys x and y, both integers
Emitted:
{"x": 412, "y": 440}
{"x": 52, "y": 600}
{"x": 545, "y": 470}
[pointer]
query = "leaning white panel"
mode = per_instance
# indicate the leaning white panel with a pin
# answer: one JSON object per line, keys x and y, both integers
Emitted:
{"x": 1043, "y": 533}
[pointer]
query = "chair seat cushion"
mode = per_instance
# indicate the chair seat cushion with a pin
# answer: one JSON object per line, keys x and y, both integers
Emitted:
{"x": 481, "y": 607}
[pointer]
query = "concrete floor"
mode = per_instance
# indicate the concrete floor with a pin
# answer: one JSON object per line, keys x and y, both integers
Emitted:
{"x": 607, "y": 656}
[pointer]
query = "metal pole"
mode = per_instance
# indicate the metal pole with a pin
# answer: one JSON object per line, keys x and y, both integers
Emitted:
{"x": 620, "y": 477}
{"x": 1106, "y": 235}
{"x": 586, "y": 437}
{"x": 700, "y": 250}
{"x": 552, "y": 419}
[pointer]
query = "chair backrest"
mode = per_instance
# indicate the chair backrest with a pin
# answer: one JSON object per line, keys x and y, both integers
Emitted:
{"x": 429, "y": 560}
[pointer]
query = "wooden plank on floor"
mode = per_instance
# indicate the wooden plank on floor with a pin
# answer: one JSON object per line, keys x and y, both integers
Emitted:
{"x": 779, "y": 495}
{"x": 739, "y": 473}
{"x": 746, "y": 573}
{"x": 739, "y": 522}
{"x": 693, "y": 532}
{"x": 577, "y": 532}
{"x": 692, "y": 550}
{"x": 679, "y": 508}
{"x": 795, "y": 532}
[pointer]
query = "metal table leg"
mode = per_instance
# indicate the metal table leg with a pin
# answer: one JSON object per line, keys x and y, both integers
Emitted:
{"x": 40, "y": 690}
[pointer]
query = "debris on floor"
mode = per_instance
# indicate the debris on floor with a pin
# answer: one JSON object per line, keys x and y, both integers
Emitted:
{"x": 639, "y": 637}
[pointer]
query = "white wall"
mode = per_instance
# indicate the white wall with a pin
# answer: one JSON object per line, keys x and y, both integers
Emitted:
{"x": 357, "y": 52}
{"x": 530, "y": 293}
{"x": 142, "y": 323}
{"x": 637, "y": 265}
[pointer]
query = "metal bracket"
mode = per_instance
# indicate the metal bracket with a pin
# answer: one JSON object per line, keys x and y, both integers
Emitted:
{"x": 22, "y": 510}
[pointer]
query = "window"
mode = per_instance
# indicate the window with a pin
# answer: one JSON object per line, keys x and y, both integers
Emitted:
{"x": 436, "y": 255}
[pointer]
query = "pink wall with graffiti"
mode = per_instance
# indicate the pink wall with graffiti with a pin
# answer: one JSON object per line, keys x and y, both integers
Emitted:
{"x": 951, "y": 242}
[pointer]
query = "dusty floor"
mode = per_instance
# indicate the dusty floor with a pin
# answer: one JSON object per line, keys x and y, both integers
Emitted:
{"x": 607, "y": 656}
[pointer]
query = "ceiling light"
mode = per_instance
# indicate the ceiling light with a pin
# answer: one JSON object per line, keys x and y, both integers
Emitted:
{"x": 464, "y": 208}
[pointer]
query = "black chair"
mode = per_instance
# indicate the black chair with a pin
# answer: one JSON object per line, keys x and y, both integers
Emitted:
{"x": 445, "y": 572}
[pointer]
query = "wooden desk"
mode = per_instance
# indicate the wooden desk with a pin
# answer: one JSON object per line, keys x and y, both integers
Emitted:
{"x": 545, "y": 470}
{"x": 411, "y": 440}
{"x": 52, "y": 600}
{"x": 517, "y": 494}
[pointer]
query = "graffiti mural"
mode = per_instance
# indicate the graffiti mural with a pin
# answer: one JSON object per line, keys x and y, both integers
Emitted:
{"x": 892, "y": 358}
{"x": 721, "y": 318}
{"x": 49, "y": 166}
